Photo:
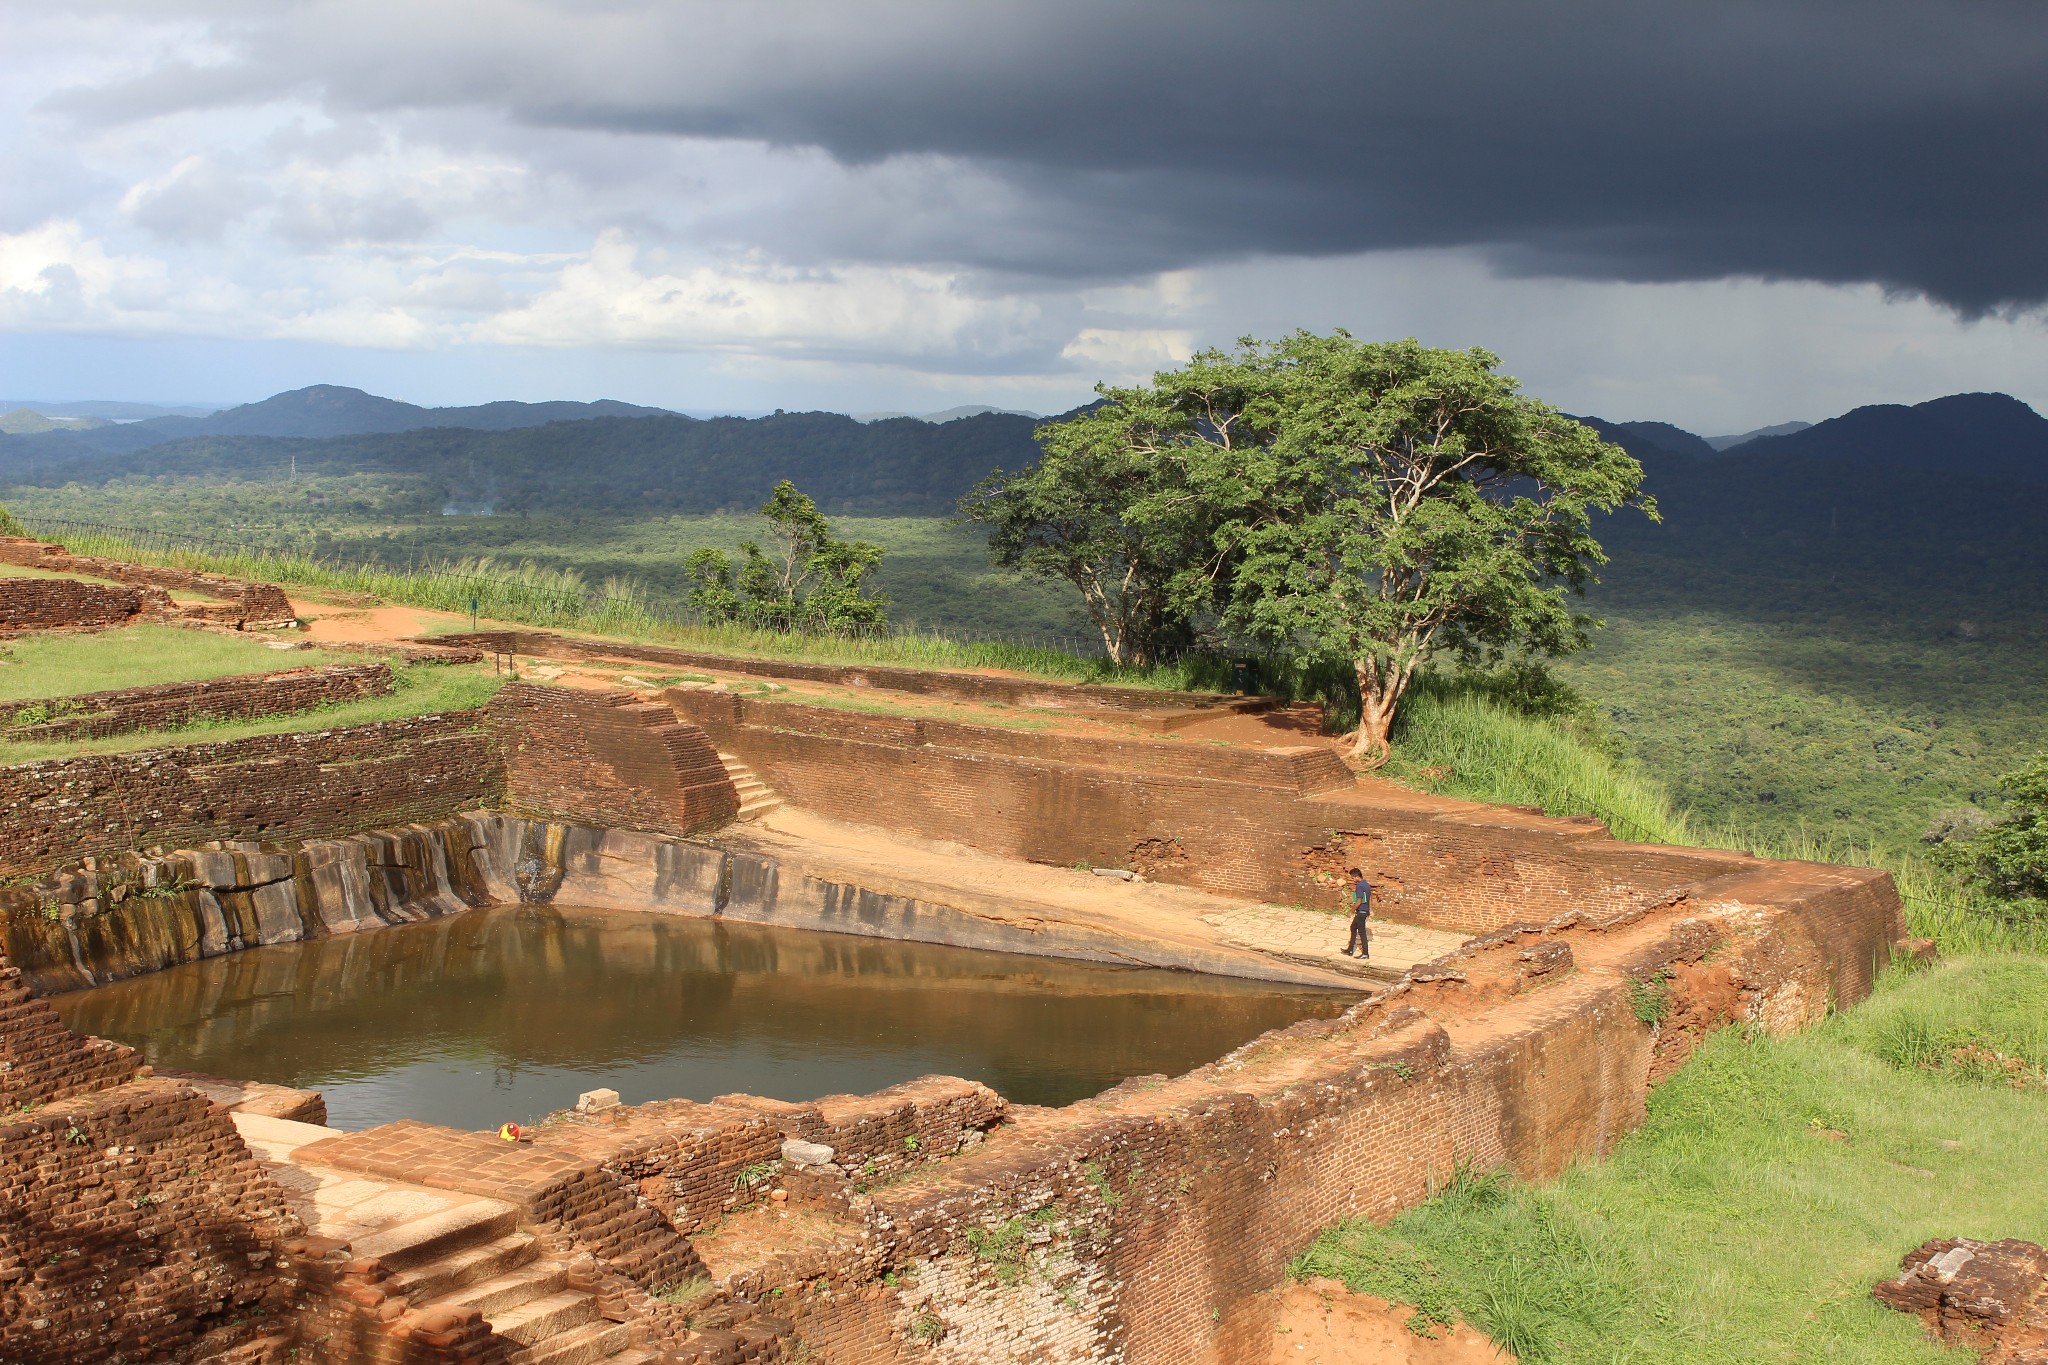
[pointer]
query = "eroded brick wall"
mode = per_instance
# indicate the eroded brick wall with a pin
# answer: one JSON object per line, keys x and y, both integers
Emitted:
{"x": 91, "y": 714}
{"x": 1300, "y": 770}
{"x": 967, "y": 687}
{"x": 240, "y": 603}
{"x": 305, "y": 785}
{"x": 1199, "y": 819}
{"x": 63, "y": 603}
{"x": 135, "y": 1224}
{"x": 607, "y": 759}
{"x": 42, "y": 1061}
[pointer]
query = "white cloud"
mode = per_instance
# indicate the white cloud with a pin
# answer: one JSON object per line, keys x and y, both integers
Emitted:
{"x": 612, "y": 299}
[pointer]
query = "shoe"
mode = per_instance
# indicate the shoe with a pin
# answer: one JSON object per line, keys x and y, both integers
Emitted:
{"x": 1348, "y": 953}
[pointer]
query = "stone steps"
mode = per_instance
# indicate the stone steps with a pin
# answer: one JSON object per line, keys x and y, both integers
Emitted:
{"x": 463, "y": 1268}
{"x": 756, "y": 797}
{"x": 422, "y": 1240}
{"x": 593, "y": 1341}
{"x": 536, "y": 1320}
{"x": 499, "y": 1294}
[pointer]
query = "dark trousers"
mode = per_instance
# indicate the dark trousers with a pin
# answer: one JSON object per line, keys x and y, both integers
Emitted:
{"x": 1361, "y": 936}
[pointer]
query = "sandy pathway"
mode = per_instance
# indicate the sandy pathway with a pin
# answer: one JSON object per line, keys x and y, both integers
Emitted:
{"x": 1237, "y": 935}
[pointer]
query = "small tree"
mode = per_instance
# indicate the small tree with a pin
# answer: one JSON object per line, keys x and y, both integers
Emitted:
{"x": 1106, "y": 510}
{"x": 2009, "y": 859}
{"x": 810, "y": 582}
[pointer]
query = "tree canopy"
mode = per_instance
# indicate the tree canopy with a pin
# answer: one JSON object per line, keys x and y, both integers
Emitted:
{"x": 1374, "y": 502}
{"x": 2009, "y": 859}
{"x": 809, "y": 580}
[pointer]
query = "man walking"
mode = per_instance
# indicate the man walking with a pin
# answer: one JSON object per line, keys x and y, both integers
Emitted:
{"x": 1361, "y": 912}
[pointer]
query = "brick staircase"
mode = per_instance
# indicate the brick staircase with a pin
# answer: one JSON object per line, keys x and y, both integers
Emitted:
{"x": 444, "y": 1249}
{"x": 498, "y": 1271}
{"x": 756, "y": 797}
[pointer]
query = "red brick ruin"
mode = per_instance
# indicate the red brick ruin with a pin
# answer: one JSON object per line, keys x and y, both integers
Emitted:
{"x": 932, "y": 1221}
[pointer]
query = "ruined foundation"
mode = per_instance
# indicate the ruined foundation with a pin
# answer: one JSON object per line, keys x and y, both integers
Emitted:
{"x": 928, "y": 1222}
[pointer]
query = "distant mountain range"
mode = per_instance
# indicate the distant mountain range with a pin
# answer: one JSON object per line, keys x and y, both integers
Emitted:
{"x": 943, "y": 415}
{"x": 1967, "y": 435}
{"x": 619, "y": 457}
{"x": 1781, "y": 429}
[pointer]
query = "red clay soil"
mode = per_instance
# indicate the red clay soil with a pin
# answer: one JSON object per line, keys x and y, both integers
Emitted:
{"x": 1320, "y": 1322}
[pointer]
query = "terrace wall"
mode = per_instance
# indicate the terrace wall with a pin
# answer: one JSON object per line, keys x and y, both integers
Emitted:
{"x": 242, "y": 604}
{"x": 90, "y": 715}
{"x": 607, "y": 759}
{"x": 1278, "y": 827}
{"x": 924, "y": 682}
{"x": 312, "y": 784}
{"x": 67, "y": 603}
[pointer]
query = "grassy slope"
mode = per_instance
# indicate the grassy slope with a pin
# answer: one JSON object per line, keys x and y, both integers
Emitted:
{"x": 417, "y": 690}
{"x": 62, "y": 665}
{"x": 1734, "y": 1226}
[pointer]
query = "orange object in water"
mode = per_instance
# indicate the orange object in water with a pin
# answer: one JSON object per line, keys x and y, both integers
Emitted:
{"x": 509, "y": 1132}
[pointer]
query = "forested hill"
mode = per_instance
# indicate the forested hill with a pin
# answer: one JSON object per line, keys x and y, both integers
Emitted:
{"x": 318, "y": 411}
{"x": 1935, "y": 476}
{"x": 660, "y": 464}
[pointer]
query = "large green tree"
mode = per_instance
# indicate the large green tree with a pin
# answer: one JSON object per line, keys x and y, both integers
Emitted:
{"x": 1375, "y": 502}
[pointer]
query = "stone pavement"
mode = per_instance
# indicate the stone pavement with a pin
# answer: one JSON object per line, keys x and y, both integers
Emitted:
{"x": 1318, "y": 938}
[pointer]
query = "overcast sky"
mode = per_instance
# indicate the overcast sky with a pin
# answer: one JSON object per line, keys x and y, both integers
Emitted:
{"x": 1720, "y": 214}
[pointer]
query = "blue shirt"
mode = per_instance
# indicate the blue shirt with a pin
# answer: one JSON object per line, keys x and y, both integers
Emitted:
{"x": 1361, "y": 898}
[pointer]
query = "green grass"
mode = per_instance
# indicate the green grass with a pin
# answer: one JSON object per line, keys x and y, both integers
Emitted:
{"x": 562, "y": 599}
{"x": 420, "y": 689}
{"x": 58, "y": 665}
{"x": 1734, "y": 1227}
{"x": 1461, "y": 742}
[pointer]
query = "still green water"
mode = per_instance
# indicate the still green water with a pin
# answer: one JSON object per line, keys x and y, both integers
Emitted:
{"x": 509, "y": 1013}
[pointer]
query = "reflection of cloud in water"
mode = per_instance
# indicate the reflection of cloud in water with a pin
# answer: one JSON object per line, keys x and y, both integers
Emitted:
{"x": 507, "y": 1013}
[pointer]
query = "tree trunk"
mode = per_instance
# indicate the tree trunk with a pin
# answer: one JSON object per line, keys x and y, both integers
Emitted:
{"x": 1379, "y": 696}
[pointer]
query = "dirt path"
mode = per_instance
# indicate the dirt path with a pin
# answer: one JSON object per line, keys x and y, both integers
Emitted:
{"x": 1320, "y": 1322}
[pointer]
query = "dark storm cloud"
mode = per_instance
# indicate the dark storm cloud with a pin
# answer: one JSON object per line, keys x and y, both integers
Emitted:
{"x": 1900, "y": 144}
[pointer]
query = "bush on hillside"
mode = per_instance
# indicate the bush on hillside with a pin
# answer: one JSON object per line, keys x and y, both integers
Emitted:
{"x": 2008, "y": 859}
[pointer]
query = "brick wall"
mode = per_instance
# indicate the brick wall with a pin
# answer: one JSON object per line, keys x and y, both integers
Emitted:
{"x": 136, "y": 1226}
{"x": 607, "y": 759}
{"x": 1298, "y": 770}
{"x": 967, "y": 687}
{"x": 305, "y": 785}
{"x": 61, "y": 603}
{"x": 91, "y": 714}
{"x": 241, "y": 603}
{"x": 40, "y": 1059}
{"x": 1134, "y": 1226}
{"x": 1194, "y": 818}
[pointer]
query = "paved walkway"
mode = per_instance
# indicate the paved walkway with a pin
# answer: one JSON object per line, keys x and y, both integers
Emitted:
{"x": 1312, "y": 936}
{"x": 1147, "y": 922}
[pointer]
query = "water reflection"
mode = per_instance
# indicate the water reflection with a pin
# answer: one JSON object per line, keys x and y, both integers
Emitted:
{"x": 508, "y": 1013}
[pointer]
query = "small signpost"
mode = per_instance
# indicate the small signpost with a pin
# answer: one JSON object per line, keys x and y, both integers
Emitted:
{"x": 473, "y": 605}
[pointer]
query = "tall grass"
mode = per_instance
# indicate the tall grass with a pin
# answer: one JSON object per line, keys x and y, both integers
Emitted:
{"x": 1773, "y": 1183}
{"x": 1460, "y": 741}
{"x": 561, "y": 599}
